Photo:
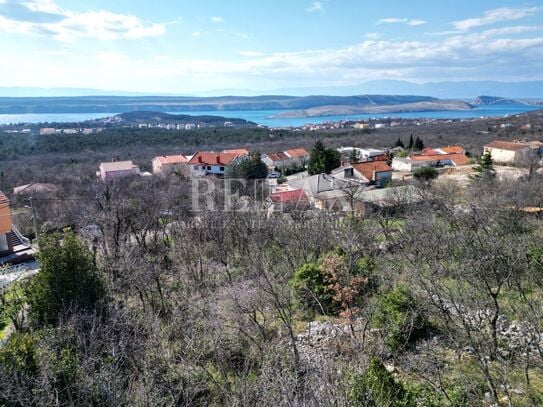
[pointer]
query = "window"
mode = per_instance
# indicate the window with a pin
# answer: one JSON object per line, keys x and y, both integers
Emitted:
{"x": 196, "y": 168}
{"x": 209, "y": 167}
{"x": 222, "y": 169}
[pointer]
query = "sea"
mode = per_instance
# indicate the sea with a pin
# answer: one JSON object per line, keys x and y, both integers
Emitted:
{"x": 264, "y": 117}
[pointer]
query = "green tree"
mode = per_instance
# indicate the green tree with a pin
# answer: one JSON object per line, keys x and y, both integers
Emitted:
{"x": 419, "y": 145}
{"x": 486, "y": 163}
{"x": 425, "y": 175}
{"x": 377, "y": 387}
{"x": 322, "y": 159}
{"x": 411, "y": 142}
{"x": 311, "y": 289}
{"x": 399, "y": 143}
{"x": 251, "y": 168}
{"x": 401, "y": 316}
{"x": 353, "y": 156}
{"x": 68, "y": 281}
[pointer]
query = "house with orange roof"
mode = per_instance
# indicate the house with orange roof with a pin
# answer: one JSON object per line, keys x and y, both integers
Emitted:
{"x": 432, "y": 157}
{"x": 211, "y": 163}
{"x": 294, "y": 157}
{"x": 169, "y": 164}
{"x": 276, "y": 160}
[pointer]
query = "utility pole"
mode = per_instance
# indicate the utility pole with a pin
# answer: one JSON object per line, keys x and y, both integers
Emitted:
{"x": 34, "y": 218}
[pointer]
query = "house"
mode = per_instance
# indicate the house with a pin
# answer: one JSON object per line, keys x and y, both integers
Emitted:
{"x": 117, "y": 169}
{"x": 298, "y": 157}
{"x": 14, "y": 248}
{"x": 326, "y": 192}
{"x": 276, "y": 160}
{"x": 210, "y": 163}
{"x": 513, "y": 152}
{"x": 296, "y": 199}
{"x": 35, "y": 189}
{"x": 409, "y": 165}
{"x": 367, "y": 154}
{"x": 432, "y": 157}
{"x": 168, "y": 164}
{"x": 376, "y": 172}
{"x": 294, "y": 157}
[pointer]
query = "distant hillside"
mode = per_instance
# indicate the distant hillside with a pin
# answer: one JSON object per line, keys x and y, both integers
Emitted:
{"x": 425, "y": 106}
{"x": 143, "y": 117}
{"x": 443, "y": 90}
{"x": 117, "y": 104}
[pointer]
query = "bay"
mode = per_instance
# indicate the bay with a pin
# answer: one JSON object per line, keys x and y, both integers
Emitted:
{"x": 264, "y": 117}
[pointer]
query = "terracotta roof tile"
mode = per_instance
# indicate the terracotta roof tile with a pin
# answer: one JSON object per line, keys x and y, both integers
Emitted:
{"x": 240, "y": 151}
{"x": 507, "y": 145}
{"x": 457, "y": 159}
{"x": 294, "y": 196}
{"x": 453, "y": 150}
{"x": 172, "y": 159}
{"x": 367, "y": 168}
{"x": 3, "y": 199}
{"x": 280, "y": 156}
{"x": 297, "y": 152}
{"x": 211, "y": 158}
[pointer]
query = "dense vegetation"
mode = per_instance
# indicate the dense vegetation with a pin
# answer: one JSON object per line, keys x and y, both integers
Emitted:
{"x": 149, "y": 303}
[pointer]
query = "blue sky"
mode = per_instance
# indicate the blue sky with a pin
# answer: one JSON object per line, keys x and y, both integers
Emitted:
{"x": 179, "y": 46}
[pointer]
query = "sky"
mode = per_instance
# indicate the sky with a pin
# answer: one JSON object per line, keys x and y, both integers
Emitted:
{"x": 187, "y": 46}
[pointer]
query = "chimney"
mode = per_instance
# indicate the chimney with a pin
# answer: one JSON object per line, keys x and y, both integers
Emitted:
{"x": 199, "y": 158}
{"x": 218, "y": 158}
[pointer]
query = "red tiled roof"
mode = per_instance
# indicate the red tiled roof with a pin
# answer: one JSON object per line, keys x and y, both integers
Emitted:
{"x": 172, "y": 159}
{"x": 240, "y": 151}
{"x": 3, "y": 199}
{"x": 457, "y": 159}
{"x": 429, "y": 151}
{"x": 294, "y": 196}
{"x": 280, "y": 156}
{"x": 367, "y": 168}
{"x": 211, "y": 158}
{"x": 507, "y": 145}
{"x": 297, "y": 152}
{"x": 453, "y": 150}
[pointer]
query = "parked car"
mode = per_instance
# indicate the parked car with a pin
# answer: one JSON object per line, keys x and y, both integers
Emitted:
{"x": 274, "y": 174}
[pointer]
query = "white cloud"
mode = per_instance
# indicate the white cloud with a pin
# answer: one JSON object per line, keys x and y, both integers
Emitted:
{"x": 217, "y": 19}
{"x": 505, "y": 53}
{"x": 396, "y": 20}
{"x": 250, "y": 54}
{"x": 372, "y": 36}
{"x": 392, "y": 20}
{"x": 46, "y": 18}
{"x": 417, "y": 22}
{"x": 315, "y": 7}
{"x": 496, "y": 16}
{"x": 196, "y": 33}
